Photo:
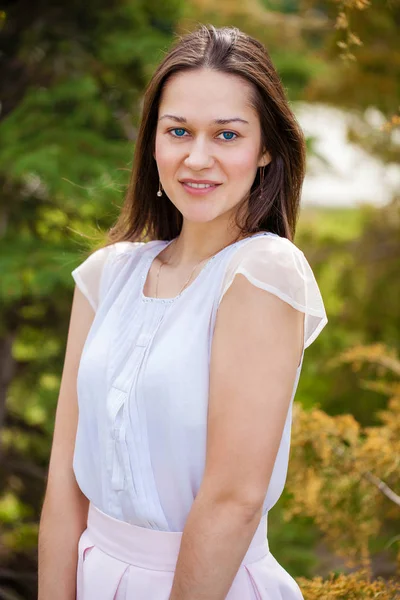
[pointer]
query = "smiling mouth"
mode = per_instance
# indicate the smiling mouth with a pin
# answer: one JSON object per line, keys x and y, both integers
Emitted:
{"x": 199, "y": 189}
{"x": 199, "y": 186}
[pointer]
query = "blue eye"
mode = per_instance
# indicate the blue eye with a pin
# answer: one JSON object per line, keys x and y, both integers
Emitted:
{"x": 177, "y": 130}
{"x": 181, "y": 134}
{"x": 229, "y": 133}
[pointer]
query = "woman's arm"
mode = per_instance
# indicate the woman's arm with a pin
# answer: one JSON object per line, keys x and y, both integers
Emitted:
{"x": 65, "y": 508}
{"x": 257, "y": 346}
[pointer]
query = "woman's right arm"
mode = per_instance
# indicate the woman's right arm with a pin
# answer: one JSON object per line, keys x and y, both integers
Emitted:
{"x": 65, "y": 507}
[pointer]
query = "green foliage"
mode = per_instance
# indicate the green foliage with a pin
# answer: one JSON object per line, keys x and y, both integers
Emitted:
{"x": 354, "y": 255}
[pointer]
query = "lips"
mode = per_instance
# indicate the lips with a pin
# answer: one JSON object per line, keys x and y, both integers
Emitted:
{"x": 197, "y": 181}
{"x": 201, "y": 190}
{"x": 202, "y": 185}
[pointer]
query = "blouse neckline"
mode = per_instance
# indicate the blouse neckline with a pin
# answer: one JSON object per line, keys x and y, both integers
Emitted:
{"x": 152, "y": 255}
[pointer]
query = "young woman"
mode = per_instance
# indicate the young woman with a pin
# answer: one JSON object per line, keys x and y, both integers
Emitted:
{"x": 193, "y": 343}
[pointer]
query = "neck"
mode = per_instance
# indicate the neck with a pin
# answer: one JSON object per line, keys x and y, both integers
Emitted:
{"x": 186, "y": 251}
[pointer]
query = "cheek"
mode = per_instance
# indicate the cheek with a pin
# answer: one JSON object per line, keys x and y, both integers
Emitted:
{"x": 241, "y": 167}
{"x": 165, "y": 153}
{"x": 243, "y": 158}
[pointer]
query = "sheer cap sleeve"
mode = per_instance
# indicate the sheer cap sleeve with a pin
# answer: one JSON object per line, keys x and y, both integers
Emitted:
{"x": 92, "y": 274}
{"x": 276, "y": 265}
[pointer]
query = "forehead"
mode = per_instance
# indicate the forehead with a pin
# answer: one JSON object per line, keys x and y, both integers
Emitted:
{"x": 205, "y": 95}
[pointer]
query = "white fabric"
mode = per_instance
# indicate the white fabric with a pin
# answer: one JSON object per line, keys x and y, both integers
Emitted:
{"x": 143, "y": 378}
{"x": 89, "y": 275}
{"x": 276, "y": 265}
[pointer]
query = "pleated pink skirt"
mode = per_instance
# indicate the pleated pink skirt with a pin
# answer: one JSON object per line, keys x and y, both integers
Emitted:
{"x": 120, "y": 561}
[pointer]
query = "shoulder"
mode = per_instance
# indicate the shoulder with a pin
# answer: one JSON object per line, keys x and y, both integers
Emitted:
{"x": 112, "y": 251}
{"x": 277, "y": 266}
{"x": 119, "y": 256}
{"x": 270, "y": 243}
{"x": 94, "y": 273}
{"x": 266, "y": 253}
{"x": 103, "y": 258}
{"x": 120, "y": 250}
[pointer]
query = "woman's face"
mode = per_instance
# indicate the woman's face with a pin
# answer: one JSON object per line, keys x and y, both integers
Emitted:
{"x": 191, "y": 145}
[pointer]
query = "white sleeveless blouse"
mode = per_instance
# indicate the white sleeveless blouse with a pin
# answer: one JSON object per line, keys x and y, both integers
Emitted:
{"x": 144, "y": 374}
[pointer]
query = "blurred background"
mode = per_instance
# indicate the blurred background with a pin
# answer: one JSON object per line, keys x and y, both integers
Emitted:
{"x": 72, "y": 77}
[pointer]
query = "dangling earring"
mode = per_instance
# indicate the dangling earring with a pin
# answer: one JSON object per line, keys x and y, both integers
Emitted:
{"x": 159, "y": 193}
{"x": 261, "y": 180}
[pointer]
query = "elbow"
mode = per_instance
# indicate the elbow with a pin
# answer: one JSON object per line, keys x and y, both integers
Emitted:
{"x": 250, "y": 506}
{"x": 245, "y": 506}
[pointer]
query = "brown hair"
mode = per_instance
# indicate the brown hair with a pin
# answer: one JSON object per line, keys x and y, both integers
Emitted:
{"x": 273, "y": 202}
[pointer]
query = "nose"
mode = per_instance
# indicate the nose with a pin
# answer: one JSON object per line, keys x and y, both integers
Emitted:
{"x": 199, "y": 156}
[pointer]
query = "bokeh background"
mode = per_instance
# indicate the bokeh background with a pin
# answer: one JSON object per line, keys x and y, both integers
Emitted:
{"x": 72, "y": 77}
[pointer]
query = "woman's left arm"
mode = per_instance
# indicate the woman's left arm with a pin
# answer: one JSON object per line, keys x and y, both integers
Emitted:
{"x": 256, "y": 349}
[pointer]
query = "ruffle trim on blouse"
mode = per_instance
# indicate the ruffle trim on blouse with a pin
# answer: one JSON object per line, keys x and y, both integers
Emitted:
{"x": 91, "y": 275}
{"x": 277, "y": 266}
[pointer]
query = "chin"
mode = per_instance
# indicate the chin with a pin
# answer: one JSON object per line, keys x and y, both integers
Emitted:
{"x": 195, "y": 216}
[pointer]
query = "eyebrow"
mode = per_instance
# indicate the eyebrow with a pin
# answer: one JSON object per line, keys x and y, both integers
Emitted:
{"x": 216, "y": 121}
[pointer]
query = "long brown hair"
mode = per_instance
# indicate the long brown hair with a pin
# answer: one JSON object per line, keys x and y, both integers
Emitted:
{"x": 274, "y": 198}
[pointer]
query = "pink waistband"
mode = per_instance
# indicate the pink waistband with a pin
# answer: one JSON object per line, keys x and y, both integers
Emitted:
{"x": 151, "y": 548}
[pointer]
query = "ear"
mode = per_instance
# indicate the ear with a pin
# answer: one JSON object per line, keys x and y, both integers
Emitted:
{"x": 264, "y": 160}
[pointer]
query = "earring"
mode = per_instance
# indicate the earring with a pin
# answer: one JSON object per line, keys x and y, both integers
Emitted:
{"x": 261, "y": 179}
{"x": 159, "y": 193}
